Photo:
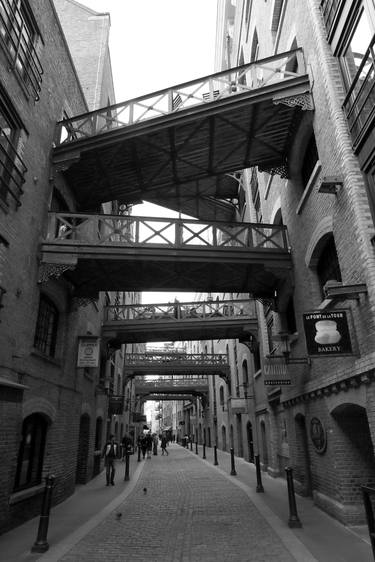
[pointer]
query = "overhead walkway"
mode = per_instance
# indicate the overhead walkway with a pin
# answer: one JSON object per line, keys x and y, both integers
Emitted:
{"x": 203, "y": 320}
{"x": 160, "y": 364}
{"x": 175, "y": 146}
{"x": 123, "y": 253}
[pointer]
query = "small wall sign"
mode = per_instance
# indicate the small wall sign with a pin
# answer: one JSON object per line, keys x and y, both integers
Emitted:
{"x": 318, "y": 435}
{"x": 327, "y": 333}
{"x": 88, "y": 351}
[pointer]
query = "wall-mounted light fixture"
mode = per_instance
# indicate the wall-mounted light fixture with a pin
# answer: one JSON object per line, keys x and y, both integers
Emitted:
{"x": 284, "y": 339}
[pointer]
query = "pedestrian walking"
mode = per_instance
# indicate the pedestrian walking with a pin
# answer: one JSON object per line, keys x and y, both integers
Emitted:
{"x": 126, "y": 446}
{"x": 163, "y": 444}
{"x": 111, "y": 453}
{"x": 155, "y": 444}
{"x": 149, "y": 443}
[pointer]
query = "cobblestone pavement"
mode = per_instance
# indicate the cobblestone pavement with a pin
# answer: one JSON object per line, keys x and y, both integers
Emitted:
{"x": 182, "y": 509}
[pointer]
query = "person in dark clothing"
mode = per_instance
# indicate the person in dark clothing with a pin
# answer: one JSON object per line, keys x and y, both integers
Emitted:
{"x": 126, "y": 445}
{"x": 149, "y": 442}
{"x": 142, "y": 443}
{"x": 111, "y": 453}
{"x": 163, "y": 444}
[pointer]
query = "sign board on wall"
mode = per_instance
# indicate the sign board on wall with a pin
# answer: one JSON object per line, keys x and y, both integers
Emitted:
{"x": 327, "y": 333}
{"x": 88, "y": 351}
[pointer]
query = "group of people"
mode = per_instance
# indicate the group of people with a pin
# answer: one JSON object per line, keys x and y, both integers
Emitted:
{"x": 146, "y": 442}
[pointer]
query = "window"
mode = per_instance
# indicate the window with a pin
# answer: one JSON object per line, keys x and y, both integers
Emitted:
{"x": 221, "y": 396}
{"x": 12, "y": 169}
{"x": 310, "y": 160}
{"x": 18, "y": 34}
{"x": 357, "y": 62}
{"x": 290, "y": 317}
{"x": 46, "y": 327}
{"x": 31, "y": 452}
{"x": 255, "y": 195}
{"x": 328, "y": 267}
{"x": 356, "y": 47}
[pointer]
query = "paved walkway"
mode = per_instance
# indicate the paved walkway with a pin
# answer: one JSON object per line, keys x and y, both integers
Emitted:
{"x": 182, "y": 508}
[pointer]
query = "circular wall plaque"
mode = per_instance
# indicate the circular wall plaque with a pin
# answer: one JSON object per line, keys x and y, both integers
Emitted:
{"x": 318, "y": 435}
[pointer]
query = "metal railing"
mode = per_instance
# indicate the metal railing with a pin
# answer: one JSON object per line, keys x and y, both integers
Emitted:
{"x": 179, "y": 383}
{"x": 175, "y": 358}
{"x": 359, "y": 103}
{"x": 213, "y": 88}
{"x": 177, "y": 311}
{"x": 19, "y": 47}
{"x": 118, "y": 230}
{"x": 12, "y": 170}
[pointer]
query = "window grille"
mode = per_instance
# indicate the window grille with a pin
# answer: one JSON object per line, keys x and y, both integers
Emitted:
{"x": 12, "y": 168}
{"x": 18, "y": 35}
{"x": 46, "y": 328}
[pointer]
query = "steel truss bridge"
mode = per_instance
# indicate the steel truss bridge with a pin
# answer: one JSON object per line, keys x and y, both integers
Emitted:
{"x": 179, "y": 147}
{"x": 220, "y": 319}
{"x": 118, "y": 253}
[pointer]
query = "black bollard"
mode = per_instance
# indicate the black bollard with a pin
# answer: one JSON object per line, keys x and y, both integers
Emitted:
{"x": 215, "y": 455}
{"x": 204, "y": 450}
{"x": 41, "y": 544}
{"x": 294, "y": 520}
{"x": 191, "y": 445}
{"x": 139, "y": 454}
{"x": 259, "y": 487}
{"x": 232, "y": 467}
{"x": 196, "y": 447}
{"x": 127, "y": 456}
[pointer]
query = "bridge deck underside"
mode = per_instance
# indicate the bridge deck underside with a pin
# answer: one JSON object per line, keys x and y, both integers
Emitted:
{"x": 182, "y": 157}
{"x": 252, "y": 271}
{"x": 138, "y": 331}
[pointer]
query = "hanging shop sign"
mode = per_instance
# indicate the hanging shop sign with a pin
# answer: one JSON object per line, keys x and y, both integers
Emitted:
{"x": 327, "y": 333}
{"x": 88, "y": 351}
{"x": 116, "y": 405}
{"x": 276, "y": 371}
{"x": 238, "y": 405}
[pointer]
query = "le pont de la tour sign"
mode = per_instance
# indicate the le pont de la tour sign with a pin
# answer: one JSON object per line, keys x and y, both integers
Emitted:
{"x": 327, "y": 333}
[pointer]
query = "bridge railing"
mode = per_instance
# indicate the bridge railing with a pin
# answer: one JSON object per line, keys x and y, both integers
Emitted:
{"x": 175, "y": 358}
{"x": 133, "y": 231}
{"x": 178, "y": 311}
{"x": 171, "y": 382}
{"x": 233, "y": 82}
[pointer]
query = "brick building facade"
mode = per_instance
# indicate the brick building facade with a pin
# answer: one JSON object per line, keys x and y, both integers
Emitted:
{"x": 55, "y": 62}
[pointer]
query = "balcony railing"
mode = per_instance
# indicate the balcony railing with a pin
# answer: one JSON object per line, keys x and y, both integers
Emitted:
{"x": 118, "y": 230}
{"x": 12, "y": 170}
{"x": 181, "y": 311}
{"x": 173, "y": 359}
{"x": 359, "y": 104}
{"x": 171, "y": 382}
{"x": 19, "y": 46}
{"x": 213, "y": 88}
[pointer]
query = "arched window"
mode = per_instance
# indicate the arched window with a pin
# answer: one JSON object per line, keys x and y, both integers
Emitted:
{"x": 328, "y": 267}
{"x": 245, "y": 374}
{"x": 31, "y": 452}
{"x": 221, "y": 396}
{"x": 46, "y": 327}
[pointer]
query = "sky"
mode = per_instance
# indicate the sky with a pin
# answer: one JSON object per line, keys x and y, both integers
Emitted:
{"x": 155, "y": 44}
